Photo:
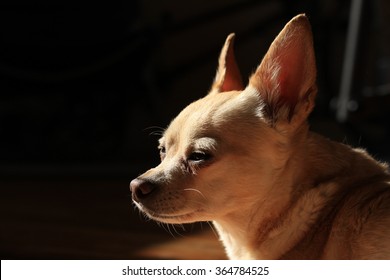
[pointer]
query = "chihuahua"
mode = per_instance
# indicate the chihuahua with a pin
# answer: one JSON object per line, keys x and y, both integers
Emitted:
{"x": 244, "y": 158}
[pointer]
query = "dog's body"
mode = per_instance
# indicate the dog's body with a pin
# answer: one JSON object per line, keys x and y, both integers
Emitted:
{"x": 243, "y": 157}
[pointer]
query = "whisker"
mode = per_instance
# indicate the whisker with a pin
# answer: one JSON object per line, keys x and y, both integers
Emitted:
{"x": 165, "y": 227}
{"x": 213, "y": 229}
{"x": 182, "y": 227}
{"x": 197, "y": 191}
{"x": 158, "y": 131}
{"x": 175, "y": 229}
{"x": 170, "y": 231}
{"x": 154, "y": 127}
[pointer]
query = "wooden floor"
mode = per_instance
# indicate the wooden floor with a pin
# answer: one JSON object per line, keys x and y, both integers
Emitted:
{"x": 84, "y": 219}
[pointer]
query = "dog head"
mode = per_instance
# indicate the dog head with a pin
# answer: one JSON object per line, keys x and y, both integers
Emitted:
{"x": 222, "y": 152}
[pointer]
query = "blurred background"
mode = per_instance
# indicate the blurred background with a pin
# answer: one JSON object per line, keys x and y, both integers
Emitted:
{"x": 84, "y": 88}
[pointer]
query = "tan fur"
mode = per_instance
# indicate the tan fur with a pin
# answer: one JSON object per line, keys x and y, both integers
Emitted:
{"x": 245, "y": 159}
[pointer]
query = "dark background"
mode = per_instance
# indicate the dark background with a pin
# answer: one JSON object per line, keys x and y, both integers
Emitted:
{"x": 84, "y": 87}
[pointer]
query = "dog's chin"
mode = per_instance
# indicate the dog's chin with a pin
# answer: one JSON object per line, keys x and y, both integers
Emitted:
{"x": 175, "y": 219}
{"x": 172, "y": 218}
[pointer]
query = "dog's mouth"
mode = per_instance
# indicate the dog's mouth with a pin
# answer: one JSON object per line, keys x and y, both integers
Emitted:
{"x": 189, "y": 216}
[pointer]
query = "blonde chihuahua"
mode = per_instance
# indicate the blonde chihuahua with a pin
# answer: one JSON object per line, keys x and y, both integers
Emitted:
{"x": 243, "y": 158}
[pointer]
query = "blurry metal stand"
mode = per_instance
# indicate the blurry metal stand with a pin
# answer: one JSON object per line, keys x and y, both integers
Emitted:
{"x": 344, "y": 100}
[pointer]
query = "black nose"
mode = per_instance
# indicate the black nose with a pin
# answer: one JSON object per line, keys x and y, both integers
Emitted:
{"x": 141, "y": 189}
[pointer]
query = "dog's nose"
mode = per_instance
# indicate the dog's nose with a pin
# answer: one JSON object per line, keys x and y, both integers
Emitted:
{"x": 141, "y": 189}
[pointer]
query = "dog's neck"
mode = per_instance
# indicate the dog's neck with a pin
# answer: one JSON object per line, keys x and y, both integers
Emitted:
{"x": 245, "y": 233}
{"x": 250, "y": 226}
{"x": 238, "y": 234}
{"x": 236, "y": 229}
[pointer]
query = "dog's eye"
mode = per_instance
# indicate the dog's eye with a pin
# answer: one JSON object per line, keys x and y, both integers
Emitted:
{"x": 162, "y": 152}
{"x": 199, "y": 156}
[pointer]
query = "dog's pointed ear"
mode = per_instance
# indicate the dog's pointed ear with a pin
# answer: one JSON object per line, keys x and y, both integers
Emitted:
{"x": 286, "y": 77}
{"x": 228, "y": 75}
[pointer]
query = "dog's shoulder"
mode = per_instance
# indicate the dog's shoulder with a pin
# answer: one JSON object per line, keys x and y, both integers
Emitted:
{"x": 361, "y": 223}
{"x": 353, "y": 190}
{"x": 362, "y": 226}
